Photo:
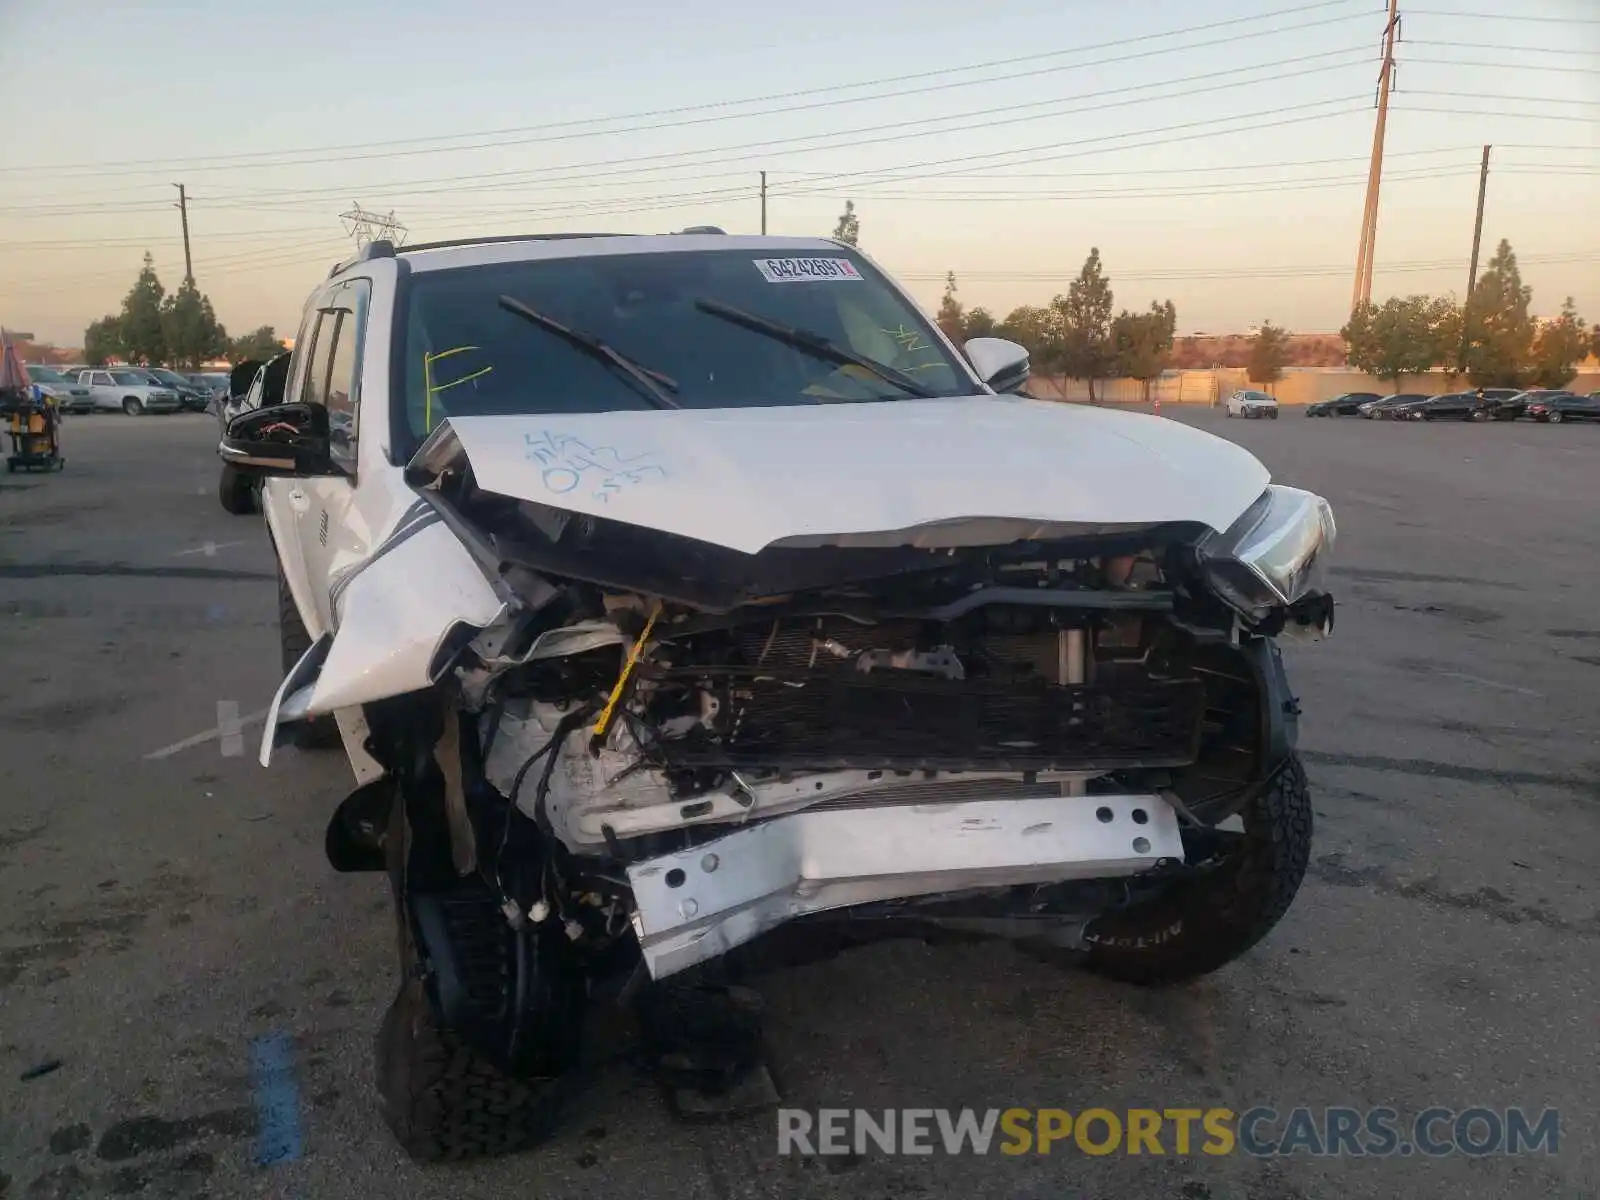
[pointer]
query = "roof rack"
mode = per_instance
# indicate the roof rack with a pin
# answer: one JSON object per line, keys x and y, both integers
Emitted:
{"x": 501, "y": 238}
{"x": 378, "y": 248}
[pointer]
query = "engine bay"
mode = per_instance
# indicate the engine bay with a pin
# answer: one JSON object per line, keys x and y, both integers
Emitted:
{"x": 611, "y": 715}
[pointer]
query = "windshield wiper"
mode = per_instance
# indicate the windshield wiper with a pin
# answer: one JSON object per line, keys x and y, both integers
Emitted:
{"x": 652, "y": 385}
{"x": 814, "y": 344}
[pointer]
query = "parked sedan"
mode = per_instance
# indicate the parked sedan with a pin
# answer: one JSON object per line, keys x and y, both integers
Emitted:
{"x": 1509, "y": 408}
{"x": 70, "y": 396}
{"x": 191, "y": 397}
{"x": 1347, "y": 404}
{"x": 1452, "y": 406}
{"x": 1379, "y": 409}
{"x": 1565, "y": 406}
{"x": 1250, "y": 403}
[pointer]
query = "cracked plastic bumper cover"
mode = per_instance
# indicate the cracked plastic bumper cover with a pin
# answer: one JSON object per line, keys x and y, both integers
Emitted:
{"x": 697, "y": 904}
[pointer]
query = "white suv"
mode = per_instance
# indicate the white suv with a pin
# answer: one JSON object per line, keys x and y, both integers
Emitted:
{"x": 127, "y": 389}
{"x": 666, "y": 590}
{"x": 1250, "y": 403}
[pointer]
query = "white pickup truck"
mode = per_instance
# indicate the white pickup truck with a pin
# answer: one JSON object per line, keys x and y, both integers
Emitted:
{"x": 128, "y": 389}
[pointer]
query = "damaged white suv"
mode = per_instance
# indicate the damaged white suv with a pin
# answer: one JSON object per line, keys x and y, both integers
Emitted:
{"x": 677, "y": 598}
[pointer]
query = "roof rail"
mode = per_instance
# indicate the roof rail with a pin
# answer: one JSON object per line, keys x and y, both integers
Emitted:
{"x": 501, "y": 238}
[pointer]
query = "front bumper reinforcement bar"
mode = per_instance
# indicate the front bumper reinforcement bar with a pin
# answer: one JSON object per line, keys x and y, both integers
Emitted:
{"x": 697, "y": 904}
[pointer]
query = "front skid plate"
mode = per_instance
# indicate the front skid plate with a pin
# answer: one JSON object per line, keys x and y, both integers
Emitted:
{"x": 697, "y": 904}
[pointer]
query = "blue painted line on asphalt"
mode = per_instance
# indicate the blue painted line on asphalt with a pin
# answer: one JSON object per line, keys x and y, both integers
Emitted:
{"x": 277, "y": 1098}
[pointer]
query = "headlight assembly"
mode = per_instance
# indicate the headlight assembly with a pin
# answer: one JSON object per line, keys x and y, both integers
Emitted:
{"x": 1272, "y": 555}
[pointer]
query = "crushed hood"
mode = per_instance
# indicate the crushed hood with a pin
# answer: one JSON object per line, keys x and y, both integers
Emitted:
{"x": 748, "y": 478}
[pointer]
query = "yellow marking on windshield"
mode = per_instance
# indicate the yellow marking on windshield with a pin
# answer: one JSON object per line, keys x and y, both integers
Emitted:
{"x": 428, "y": 389}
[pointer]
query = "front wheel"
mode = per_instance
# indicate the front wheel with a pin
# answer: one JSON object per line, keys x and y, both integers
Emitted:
{"x": 1555, "y": 418}
{"x": 236, "y": 492}
{"x": 1212, "y": 918}
{"x": 132, "y": 407}
{"x": 442, "y": 1100}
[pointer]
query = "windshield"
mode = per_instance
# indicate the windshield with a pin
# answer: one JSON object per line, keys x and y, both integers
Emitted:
{"x": 1254, "y": 396}
{"x": 46, "y": 375}
{"x": 131, "y": 378}
{"x": 467, "y": 354}
{"x": 163, "y": 375}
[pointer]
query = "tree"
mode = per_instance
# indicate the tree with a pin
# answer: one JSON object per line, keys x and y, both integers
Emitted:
{"x": 1406, "y": 336}
{"x": 848, "y": 230}
{"x": 1594, "y": 338}
{"x": 1141, "y": 343}
{"x": 1499, "y": 331}
{"x": 1268, "y": 354}
{"x": 258, "y": 343}
{"x": 102, "y": 340}
{"x": 1033, "y": 329}
{"x": 951, "y": 318}
{"x": 1445, "y": 326}
{"x": 979, "y": 323}
{"x": 1558, "y": 349}
{"x": 1084, "y": 314}
{"x": 142, "y": 338}
{"x": 190, "y": 327}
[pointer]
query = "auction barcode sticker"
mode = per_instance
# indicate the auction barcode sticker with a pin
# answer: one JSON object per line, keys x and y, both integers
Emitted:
{"x": 807, "y": 270}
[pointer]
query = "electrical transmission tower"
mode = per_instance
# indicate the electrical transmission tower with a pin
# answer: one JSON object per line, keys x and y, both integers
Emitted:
{"x": 368, "y": 227}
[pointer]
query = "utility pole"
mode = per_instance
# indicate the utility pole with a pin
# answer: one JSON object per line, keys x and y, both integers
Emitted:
{"x": 1362, "y": 293}
{"x": 763, "y": 202}
{"x": 183, "y": 207}
{"x": 1477, "y": 226}
{"x": 1472, "y": 271}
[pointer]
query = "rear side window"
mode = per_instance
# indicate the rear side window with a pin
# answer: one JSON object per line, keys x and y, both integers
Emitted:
{"x": 333, "y": 374}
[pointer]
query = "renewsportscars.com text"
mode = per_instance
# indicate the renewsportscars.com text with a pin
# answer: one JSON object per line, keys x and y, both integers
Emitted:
{"x": 1259, "y": 1132}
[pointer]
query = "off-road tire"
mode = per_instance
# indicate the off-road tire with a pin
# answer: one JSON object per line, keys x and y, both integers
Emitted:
{"x": 1199, "y": 926}
{"x": 319, "y": 733}
{"x": 444, "y": 1101}
{"x": 236, "y": 492}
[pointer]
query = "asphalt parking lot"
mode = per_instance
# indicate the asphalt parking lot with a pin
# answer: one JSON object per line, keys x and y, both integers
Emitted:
{"x": 166, "y": 913}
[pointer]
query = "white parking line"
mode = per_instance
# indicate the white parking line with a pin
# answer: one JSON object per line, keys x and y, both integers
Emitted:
{"x": 209, "y": 549}
{"x": 230, "y": 727}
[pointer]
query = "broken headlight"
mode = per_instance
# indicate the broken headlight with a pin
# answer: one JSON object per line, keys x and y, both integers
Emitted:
{"x": 1273, "y": 555}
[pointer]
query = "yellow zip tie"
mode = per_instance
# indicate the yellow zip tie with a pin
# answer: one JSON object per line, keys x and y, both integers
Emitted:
{"x": 615, "y": 698}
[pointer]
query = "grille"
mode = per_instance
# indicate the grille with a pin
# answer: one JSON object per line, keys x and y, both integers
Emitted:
{"x": 905, "y": 721}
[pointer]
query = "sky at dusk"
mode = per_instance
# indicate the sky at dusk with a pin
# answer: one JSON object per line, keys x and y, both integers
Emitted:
{"x": 1214, "y": 150}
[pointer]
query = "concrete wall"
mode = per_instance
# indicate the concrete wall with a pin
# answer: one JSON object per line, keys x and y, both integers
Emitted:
{"x": 1299, "y": 385}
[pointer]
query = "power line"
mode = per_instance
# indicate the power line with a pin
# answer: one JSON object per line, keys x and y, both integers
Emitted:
{"x": 1542, "y": 68}
{"x": 1475, "y": 16}
{"x": 894, "y": 131}
{"x": 1513, "y": 99}
{"x": 1472, "y": 112}
{"x": 1498, "y": 49}
{"x": 1204, "y": 274}
{"x": 243, "y": 159}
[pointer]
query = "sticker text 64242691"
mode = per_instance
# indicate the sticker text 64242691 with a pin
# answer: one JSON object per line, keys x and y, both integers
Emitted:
{"x": 808, "y": 270}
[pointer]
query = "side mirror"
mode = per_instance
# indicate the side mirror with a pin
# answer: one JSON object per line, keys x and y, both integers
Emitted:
{"x": 1001, "y": 364}
{"x": 286, "y": 439}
